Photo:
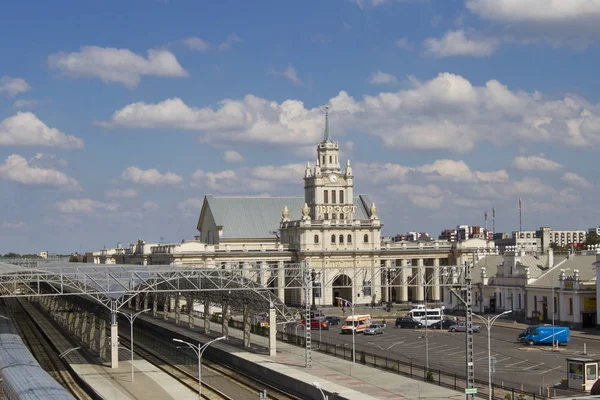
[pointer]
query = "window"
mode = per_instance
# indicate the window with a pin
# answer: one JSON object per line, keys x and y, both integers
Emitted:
{"x": 520, "y": 301}
{"x": 330, "y": 159}
{"x": 333, "y": 193}
{"x": 366, "y": 238}
{"x": 555, "y": 305}
{"x": 571, "y": 306}
{"x": 326, "y": 216}
{"x": 332, "y": 238}
{"x": 341, "y": 216}
{"x": 349, "y": 239}
{"x": 341, "y": 239}
{"x": 534, "y": 303}
{"x": 326, "y": 196}
{"x": 317, "y": 289}
{"x": 316, "y": 238}
{"x": 323, "y": 159}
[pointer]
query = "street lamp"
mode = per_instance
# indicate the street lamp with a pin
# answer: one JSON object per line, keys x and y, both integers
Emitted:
{"x": 353, "y": 328}
{"x": 131, "y": 318}
{"x": 199, "y": 350}
{"x": 318, "y": 386}
{"x": 313, "y": 278}
{"x": 554, "y": 311}
{"x": 488, "y": 324}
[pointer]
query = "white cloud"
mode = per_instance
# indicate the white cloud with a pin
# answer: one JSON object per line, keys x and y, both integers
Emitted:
{"x": 150, "y": 205}
{"x": 459, "y": 171}
{"x": 16, "y": 168}
{"x": 288, "y": 172}
{"x": 127, "y": 193}
{"x": 232, "y": 156}
{"x": 536, "y": 163}
{"x": 376, "y": 172}
{"x": 403, "y": 43}
{"x": 84, "y": 206}
{"x": 25, "y": 129}
{"x": 117, "y": 65}
{"x": 150, "y": 177}
{"x": 12, "y": 225}
{"x": 456, "y": 43}
{"x": 229, "y": 42}
{"x": 382, "y": 78}
{"x": 197, "y": 44}
{"x": 572, "y": 178}
{"x": 25, "y": 103}
{"x": 47, "y": 161}
{"x": 288, "y": 73}
{"x": 13, "y": 86}
{"x": 191, "y": 206}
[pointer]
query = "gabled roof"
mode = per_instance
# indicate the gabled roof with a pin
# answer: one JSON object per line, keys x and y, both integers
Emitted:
{"x": 258, "y": 217}
{"x": 585, "y": 265}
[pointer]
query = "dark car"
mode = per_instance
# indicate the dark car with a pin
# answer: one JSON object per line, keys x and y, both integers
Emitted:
{"x": 406, "y": 322}
{"x": 445, "y": 324}
{"x": 333, "y": 320}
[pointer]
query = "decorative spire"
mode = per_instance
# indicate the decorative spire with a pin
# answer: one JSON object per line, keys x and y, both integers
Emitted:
{"x": 326, "y": 137}
{"x": 285, "y": 213}
{"x": 307, "y": 172}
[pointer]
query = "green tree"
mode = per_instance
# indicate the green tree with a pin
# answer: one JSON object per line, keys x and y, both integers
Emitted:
{"x": 592, "y": 238}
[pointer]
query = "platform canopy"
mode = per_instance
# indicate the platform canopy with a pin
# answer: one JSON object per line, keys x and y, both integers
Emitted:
{"x": 113, "y": 283}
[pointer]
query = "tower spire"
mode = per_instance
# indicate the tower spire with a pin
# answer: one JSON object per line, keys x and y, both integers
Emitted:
{"x": 326, "y": 137}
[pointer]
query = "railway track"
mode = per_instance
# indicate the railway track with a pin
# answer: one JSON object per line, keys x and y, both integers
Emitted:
{"x": 43, "y": 350}
{"x": 180, "y": 362}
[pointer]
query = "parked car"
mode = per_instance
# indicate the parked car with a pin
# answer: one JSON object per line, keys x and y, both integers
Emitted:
{"x": 333, "y": 320}
{"x": 462, "y": 326}
{"x": 407, "y": 322}
{"x": 443, "y": 324}
{"x": 315, "y": 322}
{"x": 375, "y": 329}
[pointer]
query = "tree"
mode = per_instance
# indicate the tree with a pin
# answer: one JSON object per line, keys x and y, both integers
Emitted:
{"x": 592, "y": 239}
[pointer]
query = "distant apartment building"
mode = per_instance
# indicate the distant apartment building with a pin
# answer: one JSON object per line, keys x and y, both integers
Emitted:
{"x": 540, "y": 240}
{"x": 565, "y": 238}
{"x": 594, "y": 230}
{"x": 412, "y": 237}
{"x": 465, "y": 232}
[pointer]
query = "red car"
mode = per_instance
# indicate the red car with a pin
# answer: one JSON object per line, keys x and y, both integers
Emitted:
{"x": 314, "y": 324}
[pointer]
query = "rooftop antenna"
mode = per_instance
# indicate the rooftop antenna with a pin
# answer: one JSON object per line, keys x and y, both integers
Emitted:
{"x": 485, "y": 216}
{"x": 520, "y": 215}
{"x": 494, "y": 220}
{"x": 326, "y": 109}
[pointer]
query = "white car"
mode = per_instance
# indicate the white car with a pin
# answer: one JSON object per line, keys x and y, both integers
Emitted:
{"x": 374, "y": 329}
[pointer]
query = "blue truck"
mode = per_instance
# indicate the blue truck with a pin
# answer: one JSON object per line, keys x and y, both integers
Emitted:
{"x": 542, "y": 334}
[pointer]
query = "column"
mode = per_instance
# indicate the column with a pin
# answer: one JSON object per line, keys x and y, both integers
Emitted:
{"x": 420, "y": 292}
{"x": 102, "y": 338}
{"x": 562, "y": 306}
{"x": 385, "y": 296}
{"x": 190, "y": 310}
{"x": 435, "y": 292}
{"x": 404, "y": 278}
{"x": 155, "y": 304}
{"x": 137, "y": 302}
{"x": 177, "y": 308}
{"x": 262, "y": 273}
{"x": 166, "y": 304}
{"x": 145, "y": 301}
{"x": 272, "y": 332}
{"x": 206, "y": 316}
{"x": 281, "y": 281}
{"x": 114, "y": 343}
{"x": 576, "y": 308}
{"x": 83, "y": 327}
{"x": 225, "y": 320}
{"x": 76, "y": 323}
{"x": 247, "y": 325}
{"x": 92, "y": 332}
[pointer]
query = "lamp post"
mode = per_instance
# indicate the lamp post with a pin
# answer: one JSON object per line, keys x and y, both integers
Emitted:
{"x": 131, "y": 318}
{"x": 199, "y": 350}
{"x": 353, "y": 328}
{"x": 554, "y": 312}
{"x": 488, "y": 324}
{"x": 318, "y": 386}
{"x": 314, "y": 276}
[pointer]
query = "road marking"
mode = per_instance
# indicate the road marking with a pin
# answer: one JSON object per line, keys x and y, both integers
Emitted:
{"x": 504, "y": 359}
{"x": 395, "y": 344}
{"x": 437, "y": 347}
{"x": 458, "y": 352}
{"x": 551, "y": 369}
{"x": 533, "y": 366}
{"x": 520, "y": 362}
{"x": 481, "y": 352}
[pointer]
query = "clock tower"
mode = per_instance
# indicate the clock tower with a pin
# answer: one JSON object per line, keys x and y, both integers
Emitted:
{"x": 329, "y": 192}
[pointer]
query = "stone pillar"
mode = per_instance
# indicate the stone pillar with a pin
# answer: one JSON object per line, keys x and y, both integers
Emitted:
{"x": 385, "y": 296}
{"x": 245, "y": 269}
{"x": 76, "y": 323}
{"x": 247, "y": 325}
{"x": 435, "y": 293}
{"x": 190, "y": 310}
{"x": 576, "y": 309}
{"x": 114, "y": 344}
{"x": 130, "y": 303}
{"x": 155, "y": 304}
{"x": 92, "y": 333}
{"x": 145, "y": 301}
{"x": 206, "y": 316}
{"x": 83, "y": 331}
{"x": 70, "y": 320}
{"x": 166, "y": 304}
{"x": 225, "y": 320}
{"x": 404, "y": 277}
{"x": 138, "y": 302}
{"x": 420, "y": 292}
{"x": 272, "y": 332}
{"x": 177, "y": 308}
{"x": 281, "y": 281}
{"x": 262, "y": 273}
{"x": 102, "y": 338}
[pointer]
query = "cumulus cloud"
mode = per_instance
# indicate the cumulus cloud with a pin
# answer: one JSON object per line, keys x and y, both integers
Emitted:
{"x": 382, "y": 78}
{"x": 403, "y": 43}
{"x": 456, "y": 43}
{"x": 191, "y": 206}
{"x": 288, "y": 73}
{"x": 16, "y": 168}
{"x": 232, "y": 156}
{"x": 25, "y": 129}
{"x": 117, "y": 65}
{"x": 229, "y": 42}
{"x": 13, "y": 86}
{"x": 459, "y": 171}
{"x": 149, "y": 205}
{"x": 293, "y": 172}
{"x": 127, "y": 193}
{"x": 197, "y": 44}
{"x": 150, "y": 177}
{"x": 572, "y": 178}
{"x": 84, "y": 206}
{"x": 23, "y": 103}
{"x": 535, "y": 163}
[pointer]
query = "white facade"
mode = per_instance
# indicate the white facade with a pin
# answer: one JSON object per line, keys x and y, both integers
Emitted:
{"x": 563, "y": 238}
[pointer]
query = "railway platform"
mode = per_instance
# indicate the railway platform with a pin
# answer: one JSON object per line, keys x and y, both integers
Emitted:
{"x": 348, "y": 380}
{"x": 111, "y": 384}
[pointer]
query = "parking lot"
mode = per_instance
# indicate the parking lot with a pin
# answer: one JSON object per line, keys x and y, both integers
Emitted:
{"x": 516, "y": 363}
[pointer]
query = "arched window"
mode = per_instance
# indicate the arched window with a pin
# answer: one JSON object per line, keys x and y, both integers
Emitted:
{"x": 332, "y": 238}
{"x": 316, "y": 238}
{"x": 341, "y": 239}
{"x": 349, "y": 239}
{"x": 366, "y": 238}
{"x": 341, "y": 197}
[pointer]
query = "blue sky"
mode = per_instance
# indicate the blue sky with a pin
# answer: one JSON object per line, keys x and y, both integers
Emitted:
{"x": 116, "y": 118}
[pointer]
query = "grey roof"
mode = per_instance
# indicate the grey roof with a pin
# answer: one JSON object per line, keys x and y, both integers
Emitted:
{"x": 491, "y": 263}
{"x": 258, "y": 217}
{"x": 585, "y": 265}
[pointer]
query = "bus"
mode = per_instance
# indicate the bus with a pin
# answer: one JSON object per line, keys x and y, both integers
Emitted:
{"x": 433, "y": 314}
